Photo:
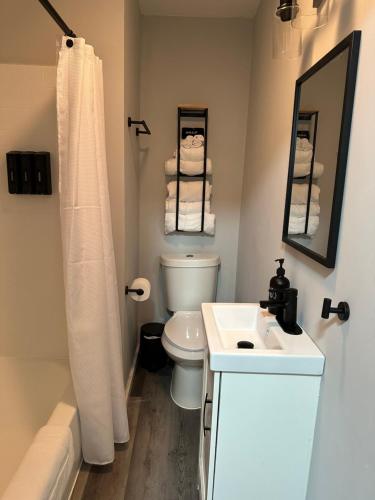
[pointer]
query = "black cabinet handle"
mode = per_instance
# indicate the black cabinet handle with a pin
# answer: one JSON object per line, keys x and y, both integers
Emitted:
{"x": 342, "y": 310}
{"x": 206, "y": 401}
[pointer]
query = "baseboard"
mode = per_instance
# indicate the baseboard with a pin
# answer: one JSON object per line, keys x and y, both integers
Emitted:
{"x": 201, "y": 479}
{"x": 129, "y": 382}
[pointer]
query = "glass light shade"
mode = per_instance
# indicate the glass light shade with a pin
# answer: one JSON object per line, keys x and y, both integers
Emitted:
{"x": 287, "y": 10}
{"x": 286, "y": 42}
{"x": 312, "y": 14}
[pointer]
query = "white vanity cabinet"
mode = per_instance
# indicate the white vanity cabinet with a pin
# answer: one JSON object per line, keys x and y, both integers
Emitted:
{"x": 256, "y": 435}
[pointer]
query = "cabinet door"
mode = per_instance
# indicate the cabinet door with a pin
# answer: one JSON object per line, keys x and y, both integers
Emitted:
{"x": 207, "y": 418}
{"x": 211, "y": 383}
{"x": 265, "y": 435}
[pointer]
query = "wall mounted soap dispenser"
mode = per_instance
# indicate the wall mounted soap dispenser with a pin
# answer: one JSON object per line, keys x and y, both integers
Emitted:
{"x": 29, "y": 172}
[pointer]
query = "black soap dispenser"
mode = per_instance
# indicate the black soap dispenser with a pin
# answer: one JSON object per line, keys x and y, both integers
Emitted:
{"x": 278, "y": 283}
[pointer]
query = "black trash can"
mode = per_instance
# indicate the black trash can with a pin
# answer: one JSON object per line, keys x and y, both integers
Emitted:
{"x": 152, "y": 355}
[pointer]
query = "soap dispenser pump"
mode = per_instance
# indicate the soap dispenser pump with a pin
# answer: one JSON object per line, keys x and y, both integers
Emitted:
{"x": 282, "y": 301}
{"x": 277, "y": 284}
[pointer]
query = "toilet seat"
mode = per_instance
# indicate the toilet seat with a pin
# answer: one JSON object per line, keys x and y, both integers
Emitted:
{"x": 185, "y": 331}
{"x": 184, "y": 340}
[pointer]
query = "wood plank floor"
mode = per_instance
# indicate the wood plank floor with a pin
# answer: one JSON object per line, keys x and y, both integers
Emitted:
{"x": 160, "y": 462}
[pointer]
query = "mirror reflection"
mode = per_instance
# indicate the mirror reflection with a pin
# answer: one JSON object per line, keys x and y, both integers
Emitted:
{"x": 317, "y": 138}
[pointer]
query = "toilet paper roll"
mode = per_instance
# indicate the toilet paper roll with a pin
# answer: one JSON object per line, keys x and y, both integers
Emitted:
{"x": 144, "y": 285}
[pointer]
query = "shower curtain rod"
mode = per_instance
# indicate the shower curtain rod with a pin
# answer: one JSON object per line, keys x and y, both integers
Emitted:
{"x": 57, "y": 18}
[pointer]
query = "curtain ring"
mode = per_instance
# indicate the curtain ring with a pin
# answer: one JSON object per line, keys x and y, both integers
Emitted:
{"x": 69, "y": 43}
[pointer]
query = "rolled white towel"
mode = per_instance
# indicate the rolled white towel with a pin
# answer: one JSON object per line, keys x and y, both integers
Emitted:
{"x": 187, "y": 167}
{"x": 198, "y": 140}
{"x": 191, "y": 154}
{"x": 302, "y": 169}
{"x": 193, "y": 207}
{"x": 189, "y": 191}
{"x": 300, "y": 210}
{"x": 300, "y": 193}
{"x": 303, "y": 144}
{"x": 187, "y": 142}
{"x": 297, "y": 225}
{"x": 190, "y": 223}
{"x": 303, "y": 156}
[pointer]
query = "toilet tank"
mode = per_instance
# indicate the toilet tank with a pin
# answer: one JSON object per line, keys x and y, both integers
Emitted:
{"x": 190, "y": 279}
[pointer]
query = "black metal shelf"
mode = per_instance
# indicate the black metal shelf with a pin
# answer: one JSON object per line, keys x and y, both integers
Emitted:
{"x": 191, "y": 112}
{"x": 198, "y": 176}
{"x": 307, "y": 116}
{"x": 187, "y": 112}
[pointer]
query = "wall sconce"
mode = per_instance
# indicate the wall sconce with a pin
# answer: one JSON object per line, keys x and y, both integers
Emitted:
{"x": 311, "y": 14}
{"x": 287, "y": 42}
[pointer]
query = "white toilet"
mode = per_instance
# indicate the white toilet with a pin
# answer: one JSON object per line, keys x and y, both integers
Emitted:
{"x": 190, "y": 280}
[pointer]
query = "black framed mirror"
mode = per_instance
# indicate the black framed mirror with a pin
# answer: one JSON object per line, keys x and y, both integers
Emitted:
{"x": 322, "y": 117}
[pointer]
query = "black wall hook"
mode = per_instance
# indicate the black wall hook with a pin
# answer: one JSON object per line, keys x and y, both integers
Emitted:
{"x": 342, "y": 310}
{"x": 146, "y": 130}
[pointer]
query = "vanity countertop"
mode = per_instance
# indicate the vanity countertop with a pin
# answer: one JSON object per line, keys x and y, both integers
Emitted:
{"x": 274, "y": 352}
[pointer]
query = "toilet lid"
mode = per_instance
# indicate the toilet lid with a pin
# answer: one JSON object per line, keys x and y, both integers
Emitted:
{"x": 185, "y": 330}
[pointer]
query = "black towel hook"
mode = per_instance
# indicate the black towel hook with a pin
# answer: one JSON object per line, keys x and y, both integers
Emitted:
{"x": 342, "y": 310}
{"x": 146, "y": 130}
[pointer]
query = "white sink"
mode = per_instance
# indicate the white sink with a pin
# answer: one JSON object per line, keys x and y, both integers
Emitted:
{"x": 274, "y": 350}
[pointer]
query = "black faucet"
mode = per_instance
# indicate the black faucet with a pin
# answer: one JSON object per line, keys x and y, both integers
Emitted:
{"x": 287, "y": 310}
{"x": 282, "y": 301}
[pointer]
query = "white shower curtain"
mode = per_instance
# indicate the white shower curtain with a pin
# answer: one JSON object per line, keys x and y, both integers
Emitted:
{"x": 91, "y": 294}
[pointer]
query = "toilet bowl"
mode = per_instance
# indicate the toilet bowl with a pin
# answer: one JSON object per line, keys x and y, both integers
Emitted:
{"x": 190, "y": 279}
{"x": 184, "y": 341}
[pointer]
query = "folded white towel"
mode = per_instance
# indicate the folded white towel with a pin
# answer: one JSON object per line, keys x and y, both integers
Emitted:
{"x": 187, "y": 142}
{"x": 187, "y": 167}
{"x": 190, "y": 223}
{"x": 198, "y": 140}
{"x": 300, "y": 193}
{"x": 189, "y": 191}
{"x": 46, "y": 467}
{"x": 191, "y": 154}
{"x": 297, "y": 225}
{"x": 303, "y": 144}
{"x": 302, "y": 169}
{"x": 303, "y": 156}
{"x": 300, "y": 210}
{"x": 192, "y": 141}
{"x": 193, "y": 207}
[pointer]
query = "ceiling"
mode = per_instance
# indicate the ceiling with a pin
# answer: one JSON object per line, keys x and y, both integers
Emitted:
{"x": 199, "y": 8}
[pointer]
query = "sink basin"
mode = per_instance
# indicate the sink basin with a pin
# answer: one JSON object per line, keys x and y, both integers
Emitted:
{"x": 274, "y": 350}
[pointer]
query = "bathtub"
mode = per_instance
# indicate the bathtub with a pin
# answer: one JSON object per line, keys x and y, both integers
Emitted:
{"x": 37, "y": 400}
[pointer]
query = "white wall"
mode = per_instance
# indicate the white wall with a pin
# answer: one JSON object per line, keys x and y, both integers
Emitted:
{"x": 29, "y": 36}
{"x": 32, "y": 318}
{"x": 344, "y": 452}
{"x": 192, "y": 61}
{"x": 131, "y": 221}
